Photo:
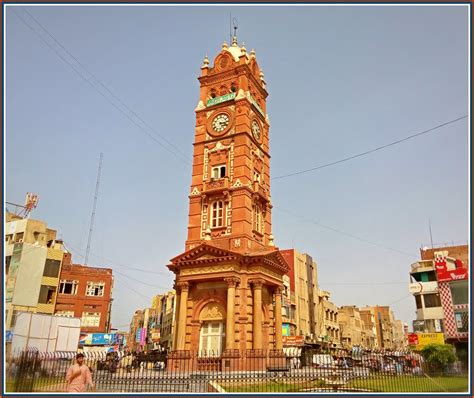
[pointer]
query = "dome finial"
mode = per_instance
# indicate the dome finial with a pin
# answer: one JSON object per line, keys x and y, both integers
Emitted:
{"x": 225, "y": 46}
{"x": 205, "y": 63}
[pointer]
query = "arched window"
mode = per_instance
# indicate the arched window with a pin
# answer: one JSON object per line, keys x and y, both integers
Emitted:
{"x": 212, "y": 338}
{"x": 217, "y": 214}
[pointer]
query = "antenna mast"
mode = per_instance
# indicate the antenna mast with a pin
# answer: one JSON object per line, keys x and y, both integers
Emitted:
{"x": 431, "y": 235}
{"x": 93, "y": 209}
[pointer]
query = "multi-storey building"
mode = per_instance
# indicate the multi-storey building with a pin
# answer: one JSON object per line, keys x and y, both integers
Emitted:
{"x": 134, "y": 343}
{"x": 85, "y": 292}
{"x": 351, "y": 326}
{"x": 328, "y": 330}
{"x": 33, "y": 260}
{"x": 440, "y": 286}
{"x": 229, "y": 280}
{"x": 369, "y": 331}
{"x": 303, "y": 281}
{"x": 167, "y": 320}
{"x": 399, "y": 336}
{"x": 384, "y": 319}
{"x": 424, "y": 287}
{"x": 452, "y": 273}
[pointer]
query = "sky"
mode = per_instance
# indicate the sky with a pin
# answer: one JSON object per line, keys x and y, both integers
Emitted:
{"x": 342, "y": 80}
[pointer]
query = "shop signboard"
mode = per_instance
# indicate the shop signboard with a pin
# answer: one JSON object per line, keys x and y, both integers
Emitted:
{"x": 457, "y": 274}
{"x": 423, "y": 287}
{"x": 293, "y": 340}
{"x": 423, "y": 339}
{"x": 286, "y": 329}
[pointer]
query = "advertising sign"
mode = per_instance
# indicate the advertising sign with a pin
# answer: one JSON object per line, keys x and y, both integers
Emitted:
{"x": 143, "y": 336}
{"x": 457, "y": 274}
{"x": 423, "y": 339}
{"x": 285, "y": 329}
{"x": 98, "y": 339}
{"x": 138, "y": 336}
{"x": 412, "y": 339}
{"x": 293, "y": 340}
{"x": 423, "y": 287}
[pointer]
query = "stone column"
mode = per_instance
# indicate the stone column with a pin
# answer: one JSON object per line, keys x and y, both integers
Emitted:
{"x": 183, "y": 303}
{"x": 174, "y": 329}
{"x": 278, "y": 319}
{"x": 230, "y": 320}
{"x": 257, "y": 314}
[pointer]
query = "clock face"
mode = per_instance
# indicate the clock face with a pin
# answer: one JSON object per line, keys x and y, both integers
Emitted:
{"x": 220, "y": 122}
{"x": 256, "y": 130}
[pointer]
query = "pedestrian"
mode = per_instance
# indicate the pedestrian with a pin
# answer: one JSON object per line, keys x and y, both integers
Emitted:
{"x": 78, "y": 376}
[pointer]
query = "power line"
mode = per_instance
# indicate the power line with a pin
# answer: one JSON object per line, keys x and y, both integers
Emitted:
{"x": 344, "y": 233}
{"x": 174, "y": 151}
{"x": 120, "y": 265}
{"x": 370, "y": 151}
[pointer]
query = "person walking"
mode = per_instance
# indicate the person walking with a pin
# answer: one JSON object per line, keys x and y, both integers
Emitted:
{"x": 78, "y": 376}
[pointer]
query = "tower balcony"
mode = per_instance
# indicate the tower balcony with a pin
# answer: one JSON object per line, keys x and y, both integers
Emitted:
{"x": 216, "y": 185}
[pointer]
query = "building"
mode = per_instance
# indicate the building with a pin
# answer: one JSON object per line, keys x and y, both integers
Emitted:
{"x": 424, "y": 287}
{"x": 167, "y": 320}
{"x": 33, "y": 261}
{"x": 229, "y": 280}
{"x": 399, "y": 335}
{"x": 439, "y": 283}
{"x": 351, "y": 326}
{"x": 136, "y": 342}
{"x": 303, "y": 295}
{"x": 452, "y": 273}
{"x": 369, "y": 330}
{"x": 85, "y": 292}
{"x": 383, "y": 317}
{"x": 328, "y": 329}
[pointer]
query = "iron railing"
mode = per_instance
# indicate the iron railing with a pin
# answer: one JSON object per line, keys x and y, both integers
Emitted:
{"x": 234, "y": 371}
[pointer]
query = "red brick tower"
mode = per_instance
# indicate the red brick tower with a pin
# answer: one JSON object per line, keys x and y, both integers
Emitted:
{"x": 230, "y": 274}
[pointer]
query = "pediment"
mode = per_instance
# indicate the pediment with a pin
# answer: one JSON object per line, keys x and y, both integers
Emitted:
{"x": 203, "y": 252}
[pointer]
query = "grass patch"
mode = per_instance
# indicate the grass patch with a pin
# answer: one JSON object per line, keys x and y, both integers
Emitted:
{"x": 372, "y": 383}
{"x": 412, "y": 384}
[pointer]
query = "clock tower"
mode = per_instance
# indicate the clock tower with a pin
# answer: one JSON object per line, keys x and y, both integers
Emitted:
{"x": 229, "y": 278}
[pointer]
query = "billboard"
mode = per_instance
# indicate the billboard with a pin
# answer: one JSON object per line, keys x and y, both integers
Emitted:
{"x": 99, "y": 339}
{"x": 420, "y": 340}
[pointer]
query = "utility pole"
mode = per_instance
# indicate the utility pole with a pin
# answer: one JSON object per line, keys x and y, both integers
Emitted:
{"x": 93, "y": 209}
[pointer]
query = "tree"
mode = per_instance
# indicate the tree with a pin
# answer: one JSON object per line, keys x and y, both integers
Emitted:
{"x": 438, "y": 356}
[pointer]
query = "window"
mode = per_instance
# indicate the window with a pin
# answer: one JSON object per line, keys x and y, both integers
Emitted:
{"x": 419, "y": 304}
{"x": 7, "y": 264}
{"x": 462, "y": 320}
{"x": 91, "y": 319}
{"x": 459, "y": 292}
{"x": 14, "y": 316}
{"x": 68, "y": 287}
{"x": 257, "y": 218}
{"x": 47, "y": 294}
{"x": 68, "y": 314}
{"x": 217, "y": 214}
{"x": 218, "y": 172}
{"x": 8, "y": 238}
{"x": 51, "y": 268}
{"x": 256, "y": 176}
{"x": 95, "y": 288}
{"x": 19, "y": 237}
{"x": 212, "y": 338}
{"x": 432, "y": 300}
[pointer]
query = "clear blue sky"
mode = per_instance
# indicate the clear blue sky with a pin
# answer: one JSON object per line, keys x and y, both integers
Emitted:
{"x": 342, "y": 80}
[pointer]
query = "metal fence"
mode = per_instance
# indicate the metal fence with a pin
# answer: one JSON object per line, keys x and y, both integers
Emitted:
{"x": 236, "y": 371}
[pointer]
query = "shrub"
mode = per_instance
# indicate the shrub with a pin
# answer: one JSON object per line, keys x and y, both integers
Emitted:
{"x": 438, "y": 356}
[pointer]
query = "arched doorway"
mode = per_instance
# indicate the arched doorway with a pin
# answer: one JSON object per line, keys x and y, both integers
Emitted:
{"x": 212, "y": 332}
